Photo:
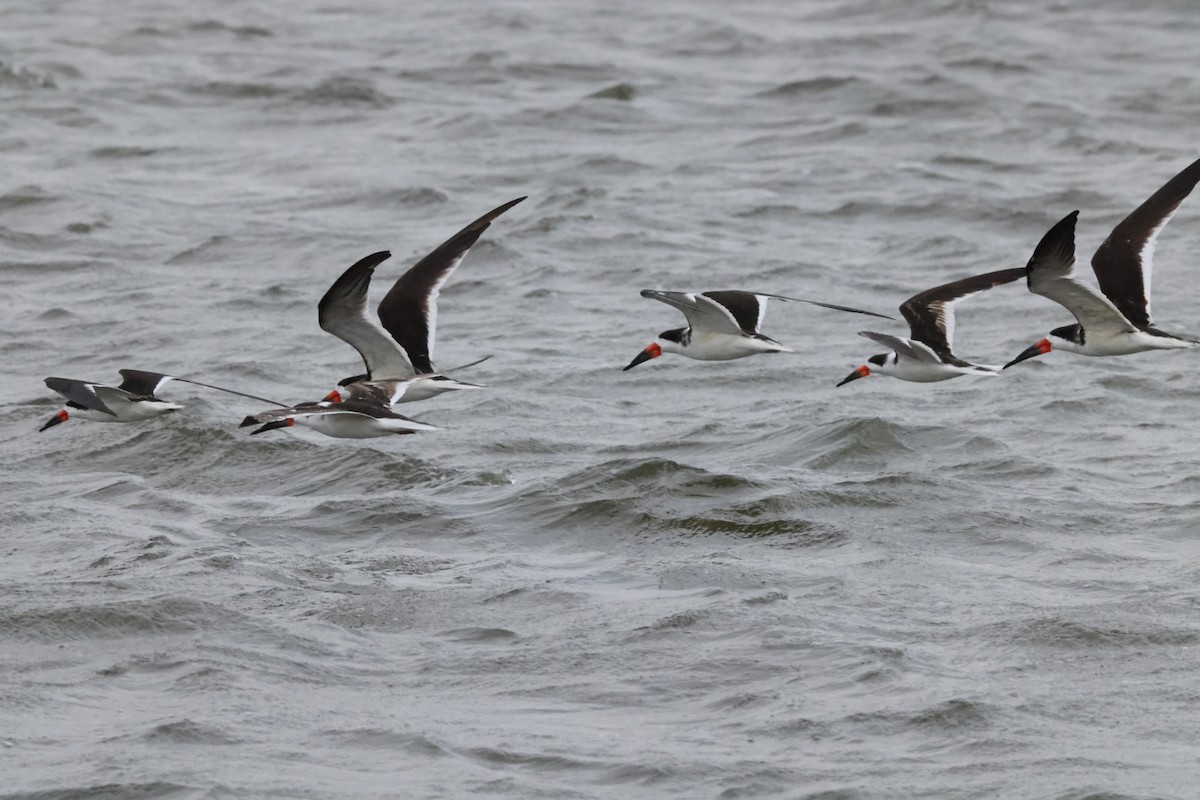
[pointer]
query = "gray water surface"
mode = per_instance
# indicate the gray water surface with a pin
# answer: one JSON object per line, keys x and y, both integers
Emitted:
{"x": 719, "y": 580}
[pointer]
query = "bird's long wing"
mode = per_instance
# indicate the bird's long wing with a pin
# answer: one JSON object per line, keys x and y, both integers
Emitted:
{"x": 703, "y": 313}
{"x": 930, "y": 313}
{"x": 343, "y": 312}
{"x": 140, "y": 383}
{"x": 1051, "y": 273}
{"x": 409, "y": 310}
{"x": 821, "y": 304}
{"x": 1124, "y": 262}
{"x": 81, "y": 393}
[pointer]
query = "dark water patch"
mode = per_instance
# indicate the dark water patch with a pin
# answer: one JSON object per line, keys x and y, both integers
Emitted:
{"x": 816, "y": 132}
{"x": 798, "y": 528}
{"x": 156, "y": 617}
{"x": 960, "y": 160}
{"x": 154, "y": 790}
{"x": 777, "y": 211}
{"x": 705, "y": 38}
{"x": 23, "y": 196}
{"x": 386, "y": 740}
{"x": 1009, "y": 469}
{"x": 237, "y": 90}
{"x": 710, "y": 572}
{"x": 618, "y": 91}
{"x": 479, "y": 635}
{"x": 186, "y": 731}
{"x": 741, "y": 701}
{"x": 992, "y": 66}
{"x": 51, "y": 266}
{"x": 809, "y": 86}
{"x": 952, "y": 714}
{"x": 86, "y": 227}
{"x": 560, "y": 70}
{"x": 651, "y": 496}
{"x": 605, "y": 165}
{"x": 409, "y": 197}
{"x": 868, "y": 440}
{"x": 643, "y": 774}
{"x": 535, "y": 597}
{"x": 341, "y": 521}
{"x": 202, "y": 253}
{"x": 23, "y": 78}
{"x": 345, "y": 90}
{"x": 672, "y": 625}
{"x": 1064, "y": 633}
{"x": 766, "y": 598}
{"x": 402, "y": 564}
{"x": 25, "y": 240}
{"x": 216, "y": 26}
{"x": 946, "y": 718}
{"x": 381, "y": 609}
{"x": 859, "y": 209}
{"x": 538, "y": 446}
{"x": 117, "y": 152}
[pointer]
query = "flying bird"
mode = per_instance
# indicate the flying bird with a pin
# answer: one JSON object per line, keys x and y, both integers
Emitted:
{"x": 926, "y": 356}
{"x": 367, "y": 413}
{"x": 721, "y": 325}
{"x": 403, "y": 355}
{"x": 133, "y": 400}
{"x": 1116, "y": 320}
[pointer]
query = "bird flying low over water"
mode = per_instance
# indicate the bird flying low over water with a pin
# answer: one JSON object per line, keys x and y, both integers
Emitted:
{"x": 408, "y": 312}
{"x": 134, "y": 399}
{"x": 1117, "y": 322}
{"x": 398, "y": 357}
{"x": 722, "y": 325}
{"x": 366, "y": 414}
{"x": 926, "y": 356}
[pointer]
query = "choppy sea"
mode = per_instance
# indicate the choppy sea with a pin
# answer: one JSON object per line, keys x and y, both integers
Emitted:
{"x": 688, "y": 580}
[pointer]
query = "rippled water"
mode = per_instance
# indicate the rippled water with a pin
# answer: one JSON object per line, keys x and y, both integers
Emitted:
{"x": 690, "y": 579}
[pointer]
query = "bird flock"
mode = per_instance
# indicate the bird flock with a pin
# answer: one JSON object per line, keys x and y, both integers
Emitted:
{"x": 722, "y": 325}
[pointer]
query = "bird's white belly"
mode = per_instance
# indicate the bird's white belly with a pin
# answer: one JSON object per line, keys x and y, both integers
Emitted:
{"x": 1128, "y": 343}
{"x": 345, "y": 426}
{"x": 726, "y": 347}
{"x": 907, "y": 369}
{"x": 127, "y": 411}
{"x": 358, "y": 426}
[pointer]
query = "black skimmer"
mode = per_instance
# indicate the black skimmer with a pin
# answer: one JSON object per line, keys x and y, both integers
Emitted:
{"x": 135, "y": 399}
{"x": 1118, "y": 321}
{"x": 721, "y": 325}
{"x": 366, "y": 414}
{"x": 926, "y": 356}
{"x": 408, "y": 312}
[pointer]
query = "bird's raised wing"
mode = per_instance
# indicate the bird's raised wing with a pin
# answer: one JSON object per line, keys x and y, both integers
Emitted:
{"x": 930, "y": 313}
{"x": 343, "y": 312}
{"x": 1124, "y": 262}
{"x": 1051, "y": 273}
{"x": 409, "y": 310}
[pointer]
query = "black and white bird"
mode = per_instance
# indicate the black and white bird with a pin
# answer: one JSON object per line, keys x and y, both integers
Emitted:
{"x": 403, "y": 355}
{"x": 926, "y": 356}
{"x": 366, "y": 414}
{"x": 722, "y": 325}
{"x": 134, "y": 399}
{"x": 1116, "y": 320}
